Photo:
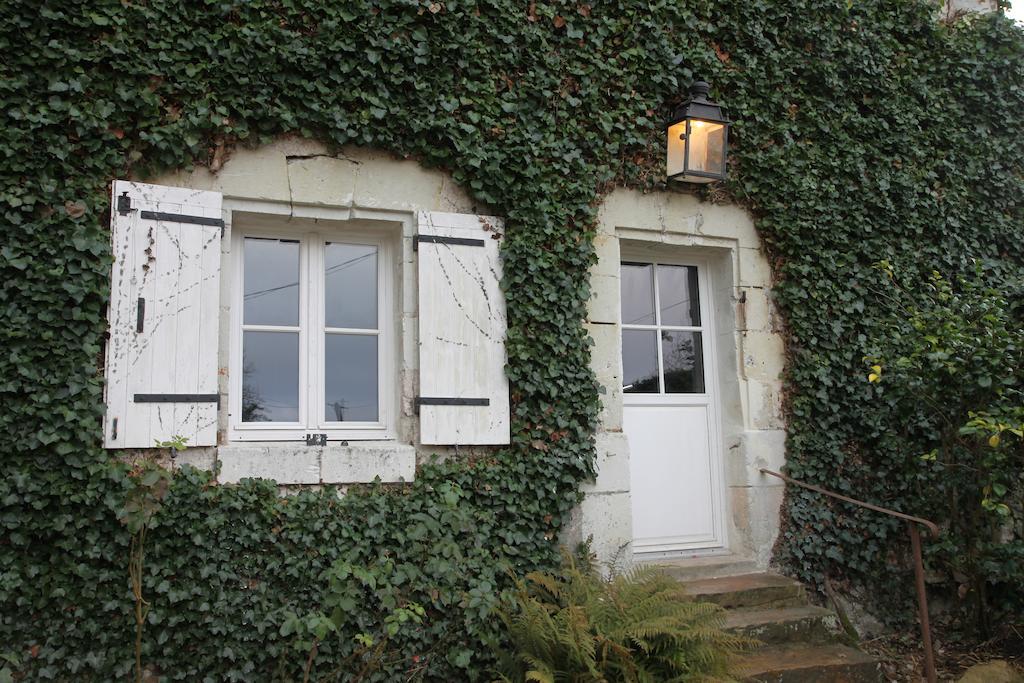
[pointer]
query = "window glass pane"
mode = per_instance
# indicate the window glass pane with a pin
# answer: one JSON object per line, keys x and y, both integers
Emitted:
{"x": 639, "y": 362}
{"x": 350, "y": 281}
{"x": 678, "y": 297}
{"x": 637, "y": 294}
{"x": 270, "y": 377}
{"x": 351, "y": 374}
{"x": 271, "y": 290}
{"x": 683, "y": 360}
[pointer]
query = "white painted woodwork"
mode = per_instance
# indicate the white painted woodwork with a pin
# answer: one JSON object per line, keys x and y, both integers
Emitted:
{"x": 462, "y": 329}
{"x": 675, "y": 459}
{"x": 175, "y": 267}
{"x": 671, "y": 478}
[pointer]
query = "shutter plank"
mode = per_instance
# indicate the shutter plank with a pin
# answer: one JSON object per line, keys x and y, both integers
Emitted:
{"x": 175, "y": 267}
{"x": 462, "y": 332}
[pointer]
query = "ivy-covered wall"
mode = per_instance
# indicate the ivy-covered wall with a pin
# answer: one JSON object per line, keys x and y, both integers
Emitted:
{"x": 865, "y": 130}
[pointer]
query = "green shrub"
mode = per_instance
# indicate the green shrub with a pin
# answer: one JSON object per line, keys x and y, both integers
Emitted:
{"x": 635, "y": 626}
{"x": 947, "y": 371}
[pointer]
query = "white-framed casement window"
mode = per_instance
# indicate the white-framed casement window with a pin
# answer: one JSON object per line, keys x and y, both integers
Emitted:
{"x": 311, "y": 335}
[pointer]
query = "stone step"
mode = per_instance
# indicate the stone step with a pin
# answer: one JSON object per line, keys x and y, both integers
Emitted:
{"x": 804, "y": 663}
{"x": 806, "y": 623}
{"x": 748, "y": 590}
{"x": 707, "y": 567}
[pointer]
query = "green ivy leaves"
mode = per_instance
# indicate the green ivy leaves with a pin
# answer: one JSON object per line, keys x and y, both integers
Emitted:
{"x": 861, "y": 129}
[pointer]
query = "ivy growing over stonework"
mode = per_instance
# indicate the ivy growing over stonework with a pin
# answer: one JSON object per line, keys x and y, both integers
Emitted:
{"x": 865, "y": 130}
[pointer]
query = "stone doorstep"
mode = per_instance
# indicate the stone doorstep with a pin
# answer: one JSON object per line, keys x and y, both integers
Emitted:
{"x": 704, "y": 567}
{"x": 807, "y": 624}
{"x": 804, "y": 663}
{"x": 748, "y": 590}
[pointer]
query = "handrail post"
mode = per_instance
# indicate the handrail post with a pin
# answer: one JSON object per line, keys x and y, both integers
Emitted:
{"x": 922, "y": 602}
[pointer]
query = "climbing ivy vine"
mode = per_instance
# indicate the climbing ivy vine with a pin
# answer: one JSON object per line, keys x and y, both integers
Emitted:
{"x": 865, "y": 130}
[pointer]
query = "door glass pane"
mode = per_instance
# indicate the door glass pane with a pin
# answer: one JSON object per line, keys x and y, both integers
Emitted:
{"x": 683, "y": 360}
{"x": 639, "y": 362}
{"x": 270, "y": 376}
{"x": 271, "y": 289}
{"x": 351, "y": 378}
{"x": 350, "y": 282}
{"x": 637, "y": 294}
{"x": 678, "y": 297}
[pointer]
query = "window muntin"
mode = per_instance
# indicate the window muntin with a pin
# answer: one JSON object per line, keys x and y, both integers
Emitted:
{"x": 662, "y": 335}
{"x": 330, "y": 376}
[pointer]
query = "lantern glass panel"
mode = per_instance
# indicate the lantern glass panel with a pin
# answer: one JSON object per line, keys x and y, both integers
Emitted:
{"x": 676, "y": 152}
{"x": 707, "y": 147}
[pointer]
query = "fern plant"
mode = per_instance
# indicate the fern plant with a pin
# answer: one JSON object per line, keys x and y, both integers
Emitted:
{"x": 635, "y": 627}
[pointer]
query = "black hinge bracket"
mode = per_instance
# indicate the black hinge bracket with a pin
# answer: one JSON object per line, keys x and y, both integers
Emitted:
{"x": 449, "y": 401}
{"x": 124, "y": 204}
{"x": 438, "y": 239}
{"x": 140, "y": 315}
{"x": 182, "y": 218}
{"x": 177, "y": 398}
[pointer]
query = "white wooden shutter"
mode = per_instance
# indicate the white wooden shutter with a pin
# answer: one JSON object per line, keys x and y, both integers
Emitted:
{"x": 463, "y": 388}
{"x": 161, "y": 365}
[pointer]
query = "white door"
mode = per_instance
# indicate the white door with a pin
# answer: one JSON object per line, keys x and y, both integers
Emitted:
{"x": 670, "y": 415}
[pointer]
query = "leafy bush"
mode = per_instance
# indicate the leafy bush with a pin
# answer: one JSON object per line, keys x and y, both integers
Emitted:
{"x": 636, "y": 626}
{"x": 948, "y": 372}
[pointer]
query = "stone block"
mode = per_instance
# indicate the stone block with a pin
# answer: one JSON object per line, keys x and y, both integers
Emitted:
{"x": 603, "y": 306}
{"x": 455, "y": 199}
{"x": 754, "y": 268}
{"x": 608, "y": 257}
{"x": 610, "y": 416}
{"x": 764, "y": 404}
{"x": 607, "y": 519}
{"x": 362, "y": 462}
{"x": 612, "y": 464}
{"x": 284, "y": 463}
{"x": 765, "y": 504}
{"x": 605, "y": 354}
{"x": 764, "y": 355}
{"x": 255, "y": 174}
{"x": 757, "y": 312}
{"x": 729, "y": 221}
{"x": 384, "y": 182}
{"x": 763, "y": 449}
{"x": 322, "y": 180}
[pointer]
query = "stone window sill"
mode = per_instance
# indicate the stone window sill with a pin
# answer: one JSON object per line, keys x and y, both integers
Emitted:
{"x": 293, "y": 463}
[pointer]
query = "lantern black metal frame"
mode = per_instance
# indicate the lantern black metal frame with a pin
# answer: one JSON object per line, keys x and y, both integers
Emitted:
{"x": 699, "y": 107}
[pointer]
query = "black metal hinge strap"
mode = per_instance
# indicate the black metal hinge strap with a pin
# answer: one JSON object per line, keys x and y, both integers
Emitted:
{"x": 177, "y": 398}
{"x": 140, "y": 315}
{"x": 444, "y": 401}
{"x": 182, "y": 218}
{"x": 438, "y": 239}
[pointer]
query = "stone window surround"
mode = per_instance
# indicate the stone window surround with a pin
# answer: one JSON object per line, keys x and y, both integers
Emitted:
{"x": 299, "y": 179}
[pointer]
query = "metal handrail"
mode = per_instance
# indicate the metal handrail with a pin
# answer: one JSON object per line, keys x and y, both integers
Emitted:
{"x": 915, "y": 545}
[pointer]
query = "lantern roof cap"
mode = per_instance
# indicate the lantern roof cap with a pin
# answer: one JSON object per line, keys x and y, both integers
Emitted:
{"x": 698, "y": 106}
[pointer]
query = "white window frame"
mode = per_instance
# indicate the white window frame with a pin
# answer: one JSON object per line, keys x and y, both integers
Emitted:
{"x": 705, "y": 329}
{"x": 311, "y": 331}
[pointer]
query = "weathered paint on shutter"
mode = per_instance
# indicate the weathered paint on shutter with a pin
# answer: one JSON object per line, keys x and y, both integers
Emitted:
{"x": 161, "y": 364}
{"x": 463, "y": 393}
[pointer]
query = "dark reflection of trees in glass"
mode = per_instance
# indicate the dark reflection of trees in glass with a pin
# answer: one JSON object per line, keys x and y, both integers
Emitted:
{"x": 252, "y": 401}
{"x": 647, "y": 385}
{"x": 683, "y": 362}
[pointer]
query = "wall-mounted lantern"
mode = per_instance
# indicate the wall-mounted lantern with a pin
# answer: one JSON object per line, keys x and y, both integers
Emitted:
{"x": 698, "y": 139}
